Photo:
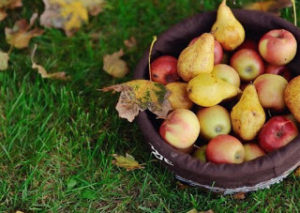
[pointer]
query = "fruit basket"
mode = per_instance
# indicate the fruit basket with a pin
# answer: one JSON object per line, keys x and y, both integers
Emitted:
{"x": 225, "y": 178}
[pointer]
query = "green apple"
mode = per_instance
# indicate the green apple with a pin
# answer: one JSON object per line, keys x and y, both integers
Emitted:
{"x": 200, "y": 153}
{"x": 214, "y": 121}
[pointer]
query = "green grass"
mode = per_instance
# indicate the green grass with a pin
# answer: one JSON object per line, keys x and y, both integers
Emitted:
{"x": 57, "y": 138}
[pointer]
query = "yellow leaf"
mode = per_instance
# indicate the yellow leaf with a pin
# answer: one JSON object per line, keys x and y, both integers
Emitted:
{"x": 128, "y": 162}
{"x": 273, "y": 6}
{"x": 8, "y": 4}
{"x": 68, "y": 15}
{"x": 297, "y": 172}
{"x": 113, "y": 65}
{"x": 94, "y": 6}
{"x": 19, "y": 36}
{"x": 4, "y": 57}
{"x": 139, "y": 95}
{"x": 43, "y": 72}
{"x": 19, "y": 211}
{"x": 130, "y": 43}
{"x": 195, "y": 211}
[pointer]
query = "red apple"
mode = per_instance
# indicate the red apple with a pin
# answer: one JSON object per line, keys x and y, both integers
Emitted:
{"x": 278, "y": 47}
{"x": 225, "y": 149}
{"x": 279, "y": 70}
{"x": 247, "y": 63}
{"x": 252, "y": 151}
{"x": 218, "y": 51}
{"x": 164, "y": 70}
{"x": 276, "y": 133}
{"x": 181, "y": 128}
{"x": 248, "y": 44}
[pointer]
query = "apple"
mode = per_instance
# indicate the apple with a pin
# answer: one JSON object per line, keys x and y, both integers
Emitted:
{"x": 218, "y": 50}
{"x": 225, "y": 149}
{"x": 164, "y": 70}
{"x": 180, "y": 129}
{"x": 278, "y": 47}
{"x": 214, "y": 121}
{"x": 248, "y": 44}
{"x": 227, "y": 73}
{"x": 270, "y": 89}
{"x": 200, "y": 153}
{"x": 279, "y": 70}
{"x": 247, "y": 63}
{"x": 276, "y": 133}
{"x": 252, "y": 151}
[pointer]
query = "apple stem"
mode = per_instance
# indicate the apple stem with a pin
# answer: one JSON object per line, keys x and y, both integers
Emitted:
{"x": 149, "y": 58}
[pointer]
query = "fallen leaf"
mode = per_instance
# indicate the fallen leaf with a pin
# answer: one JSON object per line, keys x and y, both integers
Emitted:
{"x": 43, "y": 72}
{"x": 239, "y": 196}
{"x": 19, "y": 211}
{"x": 195, "y": 211}
{"x": 273, "y": 6}
{"x": 68, "y": 15}
{"x": 8, "y": 4}
{"x": 113, "y": 65}
{"x": 297, "y": 172}
{"x": 4, "y": 57}
{"x": 19, "y": 36}
{"x": 130, "y": 43}
{"x": 181, "y": 185}
{"x": 139, "y": 95}
{"x": 94, "y": 7}
{"x": 128, "y": 162}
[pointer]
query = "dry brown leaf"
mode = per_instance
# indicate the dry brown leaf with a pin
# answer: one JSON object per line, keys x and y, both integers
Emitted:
{"x": 182, "y": 186}
{"x": 19, "y": 36}
{"x": 130, "y": 43}
{"x": 139, "y": 95}
{"x": 68, "y": 15}
{"x": 128, "y": 162}
{"x": 94, "y": 7}
{"x": 273, "y": 6}
{"x": 4, "y": 57}
{"x": 239, "y": 196}
{"x": 43, "y": 72}
{"x": 114, "y": 65}
{"x": 297, "y": 172}
{"x": 8, "y": 4}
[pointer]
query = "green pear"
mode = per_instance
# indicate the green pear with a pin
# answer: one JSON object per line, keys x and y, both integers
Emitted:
{"x": 248, "y": 116}
{"x": 207, "y": 90}
{"x": 227, "y": 30}
{"x": 197, "y": 58}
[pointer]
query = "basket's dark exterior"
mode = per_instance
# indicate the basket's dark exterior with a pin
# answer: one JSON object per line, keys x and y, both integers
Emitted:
{"x": 228, "y": 176}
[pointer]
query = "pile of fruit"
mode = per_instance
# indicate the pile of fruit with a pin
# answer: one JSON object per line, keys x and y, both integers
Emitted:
{"x": 233, "y": 97}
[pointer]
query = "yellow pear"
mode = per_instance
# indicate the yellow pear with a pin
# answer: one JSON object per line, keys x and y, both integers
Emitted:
{"x": 227, "y": 29}
{"x": 292, "y": 97}
{"x": 248, "y": 116}
{"x": 179, "y": 98}
{"x": 197, "y": 58}
{"x": 207, "y": 90}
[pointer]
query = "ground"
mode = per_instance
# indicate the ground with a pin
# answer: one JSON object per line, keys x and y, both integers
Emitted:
{"x": 57, "y": 138}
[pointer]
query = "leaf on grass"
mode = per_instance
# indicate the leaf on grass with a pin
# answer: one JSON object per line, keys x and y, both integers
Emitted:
{"x": 114, "y": 65}
{"x": 8, "y": 4}
{"x": 130, "y": 43}
{"x": 19, "y": 211}
{"x": 239, "y": 196}
{"x": 195, "y": 211}
{"x": 19, "y": 36}
{"x": 68, "y": 15}
{"x": 182, "y": 186}
{"x": 297, "y": 172}
{"x": 273, "y": 6}
{"x": 43, "y": 72}
{"x": 139, "y": 95}
{"x": 94, "y": 7}
{"x": 4, "y": 57}
{"x": 128, "y": 162}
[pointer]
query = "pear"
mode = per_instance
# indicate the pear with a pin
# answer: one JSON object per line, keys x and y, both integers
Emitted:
{"x": 248, "y": 116}
{"x": 197, "y": 58}
{"x": 207, "y": 90}
{"x": 227, "y": 30}
{"x": 292, "y": 97}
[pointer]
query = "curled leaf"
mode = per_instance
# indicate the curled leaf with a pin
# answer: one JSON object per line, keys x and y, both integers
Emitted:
{"x": 8, "y": 4}
{"x": 19, "y": 36}
{"x": 114, "y": 65}
{"x": 43, "y": 72}
{"x": 4, "y": 57}
{"x": 68, "y": 15}
{"x": 94, "y": 7}
{"x": 128, "y": 162}
{"x": 273, "y": 6}
{"x": 130, "y": 43}
{"x": 139, "y": 95}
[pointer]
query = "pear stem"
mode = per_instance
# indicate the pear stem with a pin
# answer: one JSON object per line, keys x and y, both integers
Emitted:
{"x": 149, "y": 58}
{"x": 294, "y": 11}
